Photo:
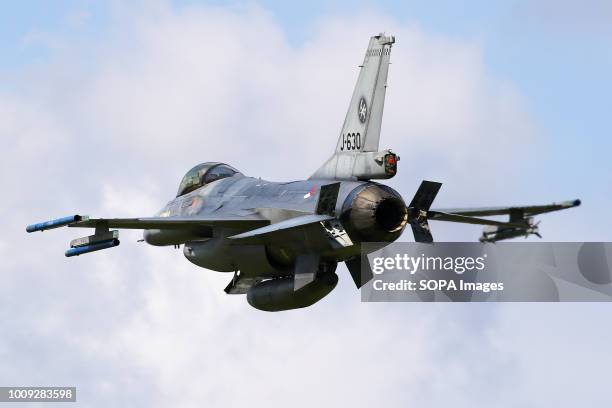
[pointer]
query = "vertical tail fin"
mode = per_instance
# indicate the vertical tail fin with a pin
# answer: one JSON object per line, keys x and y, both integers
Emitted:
{"x": 364, "y": 116}
{"x": 356, "y": 155}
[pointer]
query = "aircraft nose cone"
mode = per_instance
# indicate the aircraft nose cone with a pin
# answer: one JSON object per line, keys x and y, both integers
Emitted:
{"x": 374, "y": 213}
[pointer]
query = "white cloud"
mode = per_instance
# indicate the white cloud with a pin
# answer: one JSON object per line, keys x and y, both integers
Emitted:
{"x": 109, "y": 126}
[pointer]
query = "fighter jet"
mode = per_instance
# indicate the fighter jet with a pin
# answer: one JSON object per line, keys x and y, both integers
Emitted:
{"x": 283, "y": 240}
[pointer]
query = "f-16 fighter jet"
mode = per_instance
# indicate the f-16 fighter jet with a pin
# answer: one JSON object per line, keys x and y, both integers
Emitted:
{"x": 283, "y": 241}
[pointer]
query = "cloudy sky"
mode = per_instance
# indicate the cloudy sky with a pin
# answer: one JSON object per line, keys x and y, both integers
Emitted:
{"x": 104, "y": 106}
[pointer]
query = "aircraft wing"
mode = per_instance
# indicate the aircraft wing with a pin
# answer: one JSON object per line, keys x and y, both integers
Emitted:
{"x": 104, "y": 237}
{"x": 81, "y": 221}
{"x": 172, "y": 222}
{"x": 520, "y": 222}
{"x": 526, "y": 211}
{"x": 465, "y": 219}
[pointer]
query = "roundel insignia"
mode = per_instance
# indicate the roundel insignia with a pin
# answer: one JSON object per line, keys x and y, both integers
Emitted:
{"x": 362, "y": 110}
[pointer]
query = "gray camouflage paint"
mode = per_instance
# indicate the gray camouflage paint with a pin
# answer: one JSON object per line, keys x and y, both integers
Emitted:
{"x": 223, "y": 224}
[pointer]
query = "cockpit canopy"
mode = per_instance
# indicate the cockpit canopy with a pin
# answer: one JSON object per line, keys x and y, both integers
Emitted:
{"x": 203, "y": 174}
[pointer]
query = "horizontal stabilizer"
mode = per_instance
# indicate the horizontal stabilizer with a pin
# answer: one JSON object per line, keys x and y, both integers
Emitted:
{"x": 418, "y": 210}
{"x": 360, "y": 270}
{"x": 425, "y": 195}
{"x": 422, "y": 233}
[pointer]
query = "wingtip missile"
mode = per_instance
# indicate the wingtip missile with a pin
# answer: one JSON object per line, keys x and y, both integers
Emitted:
{"x": 569, "y": 204}
{"x": 59, "y": 222}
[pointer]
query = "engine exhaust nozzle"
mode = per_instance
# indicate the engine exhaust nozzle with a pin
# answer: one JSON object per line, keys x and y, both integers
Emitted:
{"x": 374, "y": 212}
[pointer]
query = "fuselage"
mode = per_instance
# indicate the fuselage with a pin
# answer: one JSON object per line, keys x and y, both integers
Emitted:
{"x": 242, "y": 196}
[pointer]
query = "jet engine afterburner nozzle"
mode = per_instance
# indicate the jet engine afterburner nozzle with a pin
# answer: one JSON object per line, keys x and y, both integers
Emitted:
{"x": 374, "y": 212}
